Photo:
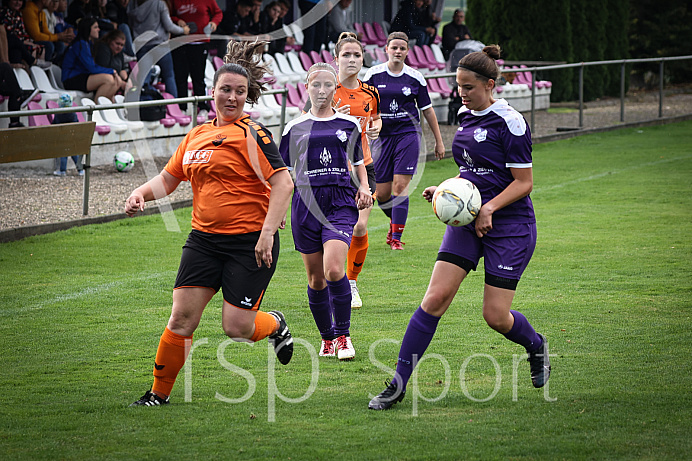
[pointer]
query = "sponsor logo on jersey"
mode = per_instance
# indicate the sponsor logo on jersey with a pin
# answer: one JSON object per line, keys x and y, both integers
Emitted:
{"x": 393, "y": 107}
{"x": 406, "y": 90}
{"x": 505, "y": 268}
{"x": 381, "y": 86}
{"x": 366, "y": 107}
{"x": 341, "y": 134}
{"x": 246, "y": 302}
{"x": 467, "y": 158}
{"x": 219, "y": 140}
{"x": 350, "y": 96}
{"x": 325, "y": 157}
{"x": 479, "y": 134}
{"x": 197, "y": 156}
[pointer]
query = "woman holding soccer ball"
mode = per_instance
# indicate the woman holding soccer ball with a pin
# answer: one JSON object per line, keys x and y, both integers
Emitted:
{"x": 232, "y": 165}
{"x": 318, "y": 146}
{"x": 493, "y": 150}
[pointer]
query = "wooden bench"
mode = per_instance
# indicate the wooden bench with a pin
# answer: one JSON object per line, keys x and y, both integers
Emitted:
{"x": 49, "y": 141}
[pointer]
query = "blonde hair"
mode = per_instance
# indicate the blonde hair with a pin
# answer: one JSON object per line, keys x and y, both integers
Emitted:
{"x": 244, "y": 58}
{"x": 321, "y": 67}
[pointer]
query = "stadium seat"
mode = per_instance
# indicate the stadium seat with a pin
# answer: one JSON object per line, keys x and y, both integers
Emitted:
{"x": 289, "y": 33}
{"x": 174, "y": 112}
{"x": 112, "y": 117}
{"x": 316, "y": 57}
{"x": 412, "y": 61}
{"x": 217, "y": 62}
{"x": 297, "y": 33}
{"x": 37, "y": 120}
{"x": 305, "y": 60}
{"x": 295, "y": 64}
{"x": 117, "y": 129}
{"x": 101, "y": 130}
{"x": 273, "y": 101}
{"x": 328, "y": 58}
{"x": 209, "y": 72}
{"x": 380, "y": 55}
{"x": 294, "y": 97}
{"x": 430, "y": 56}
{"x": 372, "y": 35}
{"x": 279, "y": 77}
{"x": 25, "y": 82}
{"x": 303, "y": 92}
{"x": 380, "y": 33}
{"x": 442, "y": 83}
{"x": 285, "y": 68}
{"x": 43, "y": 83}
{"x": 423, "y": 59}
{"x": 437, "y": 52}
{"x": 365, "y": 40}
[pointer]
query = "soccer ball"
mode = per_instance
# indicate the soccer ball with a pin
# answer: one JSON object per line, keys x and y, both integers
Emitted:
{"x": 456, "y": 202}
{"x": 123, "y": 161}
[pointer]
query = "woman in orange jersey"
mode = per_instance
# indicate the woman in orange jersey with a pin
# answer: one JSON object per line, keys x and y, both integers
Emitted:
{"x": 362, "y": 101}
{"x": 232, "y": 165}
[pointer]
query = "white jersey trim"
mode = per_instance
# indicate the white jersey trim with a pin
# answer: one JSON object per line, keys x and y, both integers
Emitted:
{"x": 309, "y": 116}
{"x": 519, "y": 165}
{"x": 514, "y": 120}
{"x": 407, "y": 70}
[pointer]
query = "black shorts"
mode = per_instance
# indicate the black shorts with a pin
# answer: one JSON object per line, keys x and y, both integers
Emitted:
{"x": 78, "y": 83}
{"x": 372, "y": 183}
{"x": 227, "y": 262}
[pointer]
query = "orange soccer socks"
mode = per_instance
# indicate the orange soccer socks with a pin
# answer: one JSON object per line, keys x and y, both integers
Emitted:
{"x": 356, "y": 256}
{"x": 170, "y": 358}
{"x": 265, "y": 325}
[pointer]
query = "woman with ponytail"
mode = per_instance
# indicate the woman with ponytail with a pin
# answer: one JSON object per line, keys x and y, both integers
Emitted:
{"x": 241, "y": 194}
{"x": 492, "y": 148}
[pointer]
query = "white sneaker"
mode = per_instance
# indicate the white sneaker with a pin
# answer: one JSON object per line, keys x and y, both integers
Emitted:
{"x": 344, "y": 348}
{"x": 356, "y": 302}
{"x": 59, "y": 173}
{"x": 327, "y": 348}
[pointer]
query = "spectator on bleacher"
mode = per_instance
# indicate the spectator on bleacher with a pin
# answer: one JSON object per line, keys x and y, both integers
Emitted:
{"x": 116, "y": 12}
{"x": 65, "y": 100}
{"x": 80, "y": 9}
{"x": 36, "y": 24}
{"x": 285, "y": 8}
{"x": 340, "y": 19}
{"x": 428, "y": 20}
{"x": 270, "y": 21}
{"x": 190, "y": 60}
{"x": 4, "y": 54}
{"x": 10, "y": 87}
{"x": 80, "y": 72}
{"x": 59, "y": 15}
{"x": 22, "y": 50}
{"x": 407, "y": 20}
{"x": 153, "y": 16}
{"x": 108, "y": 52}
{"x": 253, "y": 20}
{"x": 454, "y": 32}
{"x": 236, "y": 20}
{"x": 315, "y": 35}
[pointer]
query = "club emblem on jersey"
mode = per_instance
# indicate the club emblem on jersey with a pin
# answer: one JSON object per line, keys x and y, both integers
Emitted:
{"x": 393, "y": 107}
{"x": 406, "y": 90}
{"x": 325, "y": 157}
{"x": 479, "y": 134}
{"x": 219, "y": 140}
{"x": 341, "y": 134}
{"x": 366, "y": 107}
{"x": 467, "y": 158}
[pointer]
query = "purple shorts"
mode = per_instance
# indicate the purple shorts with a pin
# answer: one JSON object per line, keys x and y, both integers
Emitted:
{"x": 506, "y": 249}
{"x": 395, "y": 155}
{"x": 320, "y": 214}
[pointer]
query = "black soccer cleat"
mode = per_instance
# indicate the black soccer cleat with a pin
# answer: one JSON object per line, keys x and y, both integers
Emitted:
{"x": 539, "y": 362}
{"x": 388, "y": 397}
{"x": 150, "y": 400}
{"x": 282, "y": 339}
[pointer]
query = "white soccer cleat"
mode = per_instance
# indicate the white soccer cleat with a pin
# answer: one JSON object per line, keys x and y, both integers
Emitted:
{"x": 328, "y": 348}
{"x": 344, "y": 348}
{"x": 356, "y": 302}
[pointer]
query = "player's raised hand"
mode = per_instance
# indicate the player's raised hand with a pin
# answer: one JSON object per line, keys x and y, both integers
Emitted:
{"x": 133, "y": 204}
{"x": 345, "y": 109}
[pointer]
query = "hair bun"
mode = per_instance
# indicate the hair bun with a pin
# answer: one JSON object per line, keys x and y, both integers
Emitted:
{"x": 492, "y": 51}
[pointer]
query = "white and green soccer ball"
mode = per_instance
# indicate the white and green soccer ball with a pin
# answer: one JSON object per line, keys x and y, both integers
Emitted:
{"x": 123, "y": 161}
{"x": 456, "y": 202}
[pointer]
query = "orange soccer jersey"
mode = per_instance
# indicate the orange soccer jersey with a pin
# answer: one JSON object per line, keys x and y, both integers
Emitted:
{"x": 364, "y": 102}
{"x": 228, "y": 168}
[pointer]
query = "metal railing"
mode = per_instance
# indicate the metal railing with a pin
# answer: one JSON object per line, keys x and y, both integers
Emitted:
{"x": 581, "y": 65}
{"x": 89, "y": 109}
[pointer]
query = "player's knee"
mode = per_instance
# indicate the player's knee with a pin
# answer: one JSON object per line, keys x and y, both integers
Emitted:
{"x": 238, "y": 332}
{"x": 334, "y": 273}
{"x": 436, "y": 302}
{"x": 496, "y": 321}
{"x": 182, "y": 324}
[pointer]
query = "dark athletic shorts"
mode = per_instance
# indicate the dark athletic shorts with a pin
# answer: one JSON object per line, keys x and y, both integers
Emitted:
{"x": 227, "y": 262}
{"x": 78, "y": 82}
{"x": 372, "y": 183}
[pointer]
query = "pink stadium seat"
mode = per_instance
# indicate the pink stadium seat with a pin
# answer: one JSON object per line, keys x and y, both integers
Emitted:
{"x": 102, "y": 130}
{"x": 174, "y": 112}
{"x": 430, "y": 55}
{"x": 305, "y": 59}
{"x": 412, "y": 60}
{"x": 328, "y": 58}
{"x": 381, "y": 55}
{"x": 372, "y": 36}
{"x": 442, "y": 83}
{"x": 303, "y": 92}
{"x": 422, "y": 59}
{"x": 379, "y": 32}
{"x": 294, "y": 97}
{"x": 315, "y": 57}
{"x": 37, "y": 120}
{"x": 217, "y": 62}
{"x": 361, "y": 31}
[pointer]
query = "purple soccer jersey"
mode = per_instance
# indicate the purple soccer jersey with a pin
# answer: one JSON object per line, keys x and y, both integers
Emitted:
{"x": 319, "y": 149}
{"x": 401, "y": 96}
{"x": 486, "y": 145}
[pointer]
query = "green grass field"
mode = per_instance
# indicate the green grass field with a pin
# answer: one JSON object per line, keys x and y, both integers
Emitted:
{"x": 610, "y": 285}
